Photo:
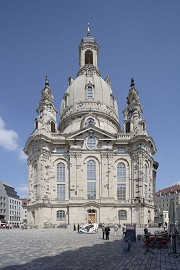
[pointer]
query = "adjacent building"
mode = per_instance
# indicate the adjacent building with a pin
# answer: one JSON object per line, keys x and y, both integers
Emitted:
{"x": 86, "y": 166}
{"x": 24, "y": 210}
{"x": 11, "y": 205}
{"x": 162, "y": 200}
{"x": 3, "y": 203}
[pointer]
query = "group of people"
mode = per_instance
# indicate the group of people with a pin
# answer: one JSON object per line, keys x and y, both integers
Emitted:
{"x": 106, "y": 230}
{"x": 78, "y": 227}
{"x": 162, "y": 225}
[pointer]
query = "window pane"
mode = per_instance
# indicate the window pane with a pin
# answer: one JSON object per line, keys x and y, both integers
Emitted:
{"x": 91, "y": 143}
{"x": 91, "y": 170}
{"x": 91, "y": 190}
{"x": 60, "y": 215}
{"x": 60, "y": 172}
{"x": 122, "y": 215}
{"x": 61, "y": 192}
{"x": 121, "y": 172}
{"x": 121, "y": 191}
{"x": 89, "y": 92}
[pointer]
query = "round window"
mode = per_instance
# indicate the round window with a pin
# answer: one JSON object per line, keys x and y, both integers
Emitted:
{"x": 91, "y": 143}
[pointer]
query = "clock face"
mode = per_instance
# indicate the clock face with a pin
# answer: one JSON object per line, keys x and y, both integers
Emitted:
{"x": 90, "y": 121}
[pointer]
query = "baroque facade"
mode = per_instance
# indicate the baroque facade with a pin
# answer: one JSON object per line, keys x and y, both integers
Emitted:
{"x": 86, "y": 166}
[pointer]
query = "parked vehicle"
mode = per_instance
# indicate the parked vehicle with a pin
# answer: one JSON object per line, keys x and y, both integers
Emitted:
{"x": 89, "y": 228}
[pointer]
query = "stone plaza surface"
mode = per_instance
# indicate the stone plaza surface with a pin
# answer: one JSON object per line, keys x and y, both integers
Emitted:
{"x": 51, "y": 249}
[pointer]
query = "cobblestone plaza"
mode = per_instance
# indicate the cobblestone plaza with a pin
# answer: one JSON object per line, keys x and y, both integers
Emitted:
{"x": 51, "y": 249}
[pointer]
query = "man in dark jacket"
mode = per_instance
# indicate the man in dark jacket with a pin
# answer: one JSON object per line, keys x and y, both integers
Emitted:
{"x": 107, "y": 232}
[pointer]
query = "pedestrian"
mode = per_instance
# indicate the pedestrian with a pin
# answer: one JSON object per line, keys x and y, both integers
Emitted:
{"x": 145, "y": 229}
{"x": 103, "y": 229}
{"x": 115, "y": 229}
{"x": 90, "y": 221}
{"x": 107, "y": 232}
{"x": 74, "y": 227}
{"x": 166, "y": 224}
{"x": 124, "y": 229}
{"x": 78, "y": 227}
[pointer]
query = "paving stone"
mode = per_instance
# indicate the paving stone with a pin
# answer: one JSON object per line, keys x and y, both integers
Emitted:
{"x": 51, "y": 249}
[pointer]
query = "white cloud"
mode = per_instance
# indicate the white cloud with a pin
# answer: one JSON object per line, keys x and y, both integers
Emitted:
{"x": 8, "y": 138}
{"x": 22, "y": 190}
{"x": 22, "y": 155}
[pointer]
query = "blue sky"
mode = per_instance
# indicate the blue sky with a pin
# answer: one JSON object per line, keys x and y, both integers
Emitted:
{"x": 139, "y": 39}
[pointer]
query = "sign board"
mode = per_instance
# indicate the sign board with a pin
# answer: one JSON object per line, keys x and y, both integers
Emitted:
{"x": 131, "y": 233}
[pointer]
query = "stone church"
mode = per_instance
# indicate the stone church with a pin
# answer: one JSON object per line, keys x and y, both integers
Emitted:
{"x": 86, "y": 166}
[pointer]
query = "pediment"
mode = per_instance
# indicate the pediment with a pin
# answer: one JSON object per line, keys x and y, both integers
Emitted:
{"x": 91, "y": 130}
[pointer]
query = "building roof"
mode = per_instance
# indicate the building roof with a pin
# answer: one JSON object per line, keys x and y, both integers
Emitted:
{"x": 169, "y": 190}
{"x": 11, "y": 192}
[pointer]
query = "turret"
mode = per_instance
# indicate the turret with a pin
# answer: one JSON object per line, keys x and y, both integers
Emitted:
{"x": 133, "y": 119}
{"x": 88, "y": 54}
{"x": 46, "y": 110}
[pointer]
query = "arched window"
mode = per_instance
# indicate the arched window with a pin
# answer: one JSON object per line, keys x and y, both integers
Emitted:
{"x": 121, "y": 172}
{"x": 35, "y": 182}
{"x": 35, "y": 173}
{"x": 128, "y": 127}
{"x": 89, "y": 92}
{"x": 145, "y": 173}
{"x": 36, "y": 124}
{"x": 121, "y": 177}
{"x": 61, "y": 181}
{"x": 52, "y": 127}
{"x": 91, "y": 170}
{"x": 122, "y": 215}
{"x": 60, "y": 172}
{"x": 88, "y": 57}
{"x": 91, "y": 179}
{"x": 60, "y": 215}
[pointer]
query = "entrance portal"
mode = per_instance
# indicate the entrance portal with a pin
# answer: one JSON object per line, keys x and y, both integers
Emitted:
{"x": 92, "y": 215}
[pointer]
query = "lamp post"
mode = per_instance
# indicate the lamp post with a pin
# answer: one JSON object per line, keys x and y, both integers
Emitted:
{"x": 65, "y": 220}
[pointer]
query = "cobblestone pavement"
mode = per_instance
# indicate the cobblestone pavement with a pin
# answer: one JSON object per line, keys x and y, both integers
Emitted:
{"x": 51, "y": 249}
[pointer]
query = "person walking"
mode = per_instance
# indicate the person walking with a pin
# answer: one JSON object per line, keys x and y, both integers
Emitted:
{"x": 107, "y": 232}
{"x": 115, "y": 229}
{"x": 124, "y": 230}
{"x": 78, "y": 227}
{"x": 74, "y": 227}
{"x": 103, "y": 229}
{"x": 145, "y": 229}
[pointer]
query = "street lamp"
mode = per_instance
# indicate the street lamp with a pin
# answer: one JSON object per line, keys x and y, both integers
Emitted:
{"x": 65, "y": 219}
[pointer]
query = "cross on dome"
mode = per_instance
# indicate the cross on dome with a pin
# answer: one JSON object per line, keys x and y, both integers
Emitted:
{"x": 88, "y": 31}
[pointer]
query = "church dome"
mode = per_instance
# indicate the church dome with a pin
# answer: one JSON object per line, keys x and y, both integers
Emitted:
{"x": 90, "y": 90}
{"x": 88, "y": 93}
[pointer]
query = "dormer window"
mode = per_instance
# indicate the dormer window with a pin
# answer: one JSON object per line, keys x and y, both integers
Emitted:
{"x": 89, "y": 92}
{"x": 88, "y": 57}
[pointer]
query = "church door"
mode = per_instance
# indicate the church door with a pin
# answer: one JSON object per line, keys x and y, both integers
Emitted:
{"x": 92, "y": 215}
